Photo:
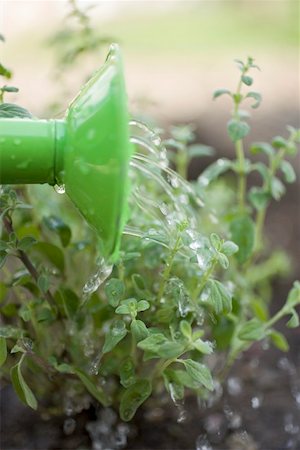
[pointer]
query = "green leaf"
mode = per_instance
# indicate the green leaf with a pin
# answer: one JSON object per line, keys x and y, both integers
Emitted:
{"x": 229, "y": 248}
{"x": 199, "y": 372}
{"x": 242, "y": 230}
{"x": 259, "y": 198}
{"x": 143, "y": 305}
{"x": 4, "y": 72}
{"x": 204, "y": 347}
{"x": 247, "y": 80}
{"x": 213, "y": 171}
{"x": 181, "y": 377}
{"x": 220, "y": 92}
{"x": 26, "y": 242}
{"x": 52, "y": 253}
{"x": 4, "y": 245}
{"x": 219, "y": 297}
{"x": 127, "y": 372}
{"x": 277, "y": 188}
{"x": 237, "y": 130}
{"x": 3, "y": 351}
{"x": 7, "y": 331}
{"x": 133, "y": 398}
{"x": 139, "y": 285}
{"x": 260, "y": 310}
{"x": 216, "y": 241}
{"x": 294, "y": 295}
{"x": 139, "y": 330}
{"x": 43, "y": 283}
{"x": 128, "y": 306}
{"x": 9, "y": 110}
{"x": 114, "y": 290}
{"x": 279, "y": 340}
{"x": 71, "y": 302}
{"x": 253, "y": 330}
{"x": 18, "y": 349}
{"x": 186, "y": 329}
{"x": 223, "y": 260}
{"x": 257, "y": 97}
{"x": 3, "y": 256}
{"x": 95, "y": 390}
{"x": 114, "y": 336}
{"x": 288, "y": 171}
{"x": 20, "y": 386}
{"x": 294, "y": 320}
{"x": 9, "y": 89}
{"x": 199, "y": 150}
{"x": 160, "y": 346}
{"x": 57, "y": 225}
{"x": 279, "y": 142}
{"x": 262, "y": 147}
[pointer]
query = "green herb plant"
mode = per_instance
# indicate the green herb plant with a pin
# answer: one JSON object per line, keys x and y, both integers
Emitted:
{"x": 192, "y": 286}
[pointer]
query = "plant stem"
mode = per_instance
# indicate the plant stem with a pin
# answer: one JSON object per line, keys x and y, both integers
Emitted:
{"x": 242, "y": 185}
{"x": 240, "y": 155}
{"x": 26, "y": 261}
{"x": 204, "y": 280}
{"x": 168, "y": 267}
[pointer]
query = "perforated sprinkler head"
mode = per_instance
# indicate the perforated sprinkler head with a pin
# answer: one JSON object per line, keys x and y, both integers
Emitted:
{"x": 88, "y": 152}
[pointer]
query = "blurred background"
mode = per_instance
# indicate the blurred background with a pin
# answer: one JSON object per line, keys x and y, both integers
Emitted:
{"x": 176, "y": 54}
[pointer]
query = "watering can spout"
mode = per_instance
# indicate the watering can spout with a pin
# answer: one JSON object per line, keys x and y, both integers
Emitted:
{"x": 88, "y": 152}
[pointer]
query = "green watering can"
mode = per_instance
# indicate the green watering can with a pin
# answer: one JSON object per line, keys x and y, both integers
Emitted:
{"x": 88, "y": 152}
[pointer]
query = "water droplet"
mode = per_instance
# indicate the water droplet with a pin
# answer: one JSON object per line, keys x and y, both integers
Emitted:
{"x": 23, "y": 165}
{"x": 94, "y": 367}
{"x": 17, "y": 141}
{"x": 182, "y": 415}
{"x": 13, "y": 157}
{"x": 202, "y": 443}
{"x": 69, "y": 426}
{"x": 290, "y": 424}
{"x": 256, "y": 402}
{"x": 102, "y": 273}
{"x": 234, "y": 386}
{"x": 60, "y": 188}
{"x": 173, "y": 180}
{"x": 164, "y": 209}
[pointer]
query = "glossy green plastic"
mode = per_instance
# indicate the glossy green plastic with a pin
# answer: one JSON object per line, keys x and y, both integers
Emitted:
{"x": 88, "y": 152}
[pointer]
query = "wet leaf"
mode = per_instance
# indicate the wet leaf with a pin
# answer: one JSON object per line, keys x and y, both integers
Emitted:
{"x": 114, "y": 336}
{"x": 95, "y": 390}
{"x": 219, "y": 297}
{"x": 253, "y": 330}
{"x": 127, "y": 372}
{"x": 3, "y": 351}
{"x": 21, "y": 388}
{"x": 199, "y": 372}
{"x": 57, "y": 225}
{"x": 237, "y": 130}
{"x": 114, "y": 290}
{"x": 139, "y": 330}
{"x": 242, "y": 230}
{"x": 9, "y": 110}
{"x": 133, "y": 398}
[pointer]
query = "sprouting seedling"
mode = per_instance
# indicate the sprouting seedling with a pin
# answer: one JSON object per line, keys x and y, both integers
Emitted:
{"x": 237, "y": 127}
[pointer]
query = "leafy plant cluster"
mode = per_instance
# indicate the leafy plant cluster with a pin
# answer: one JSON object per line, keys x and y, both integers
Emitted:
{"x": 193, "y": 280}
